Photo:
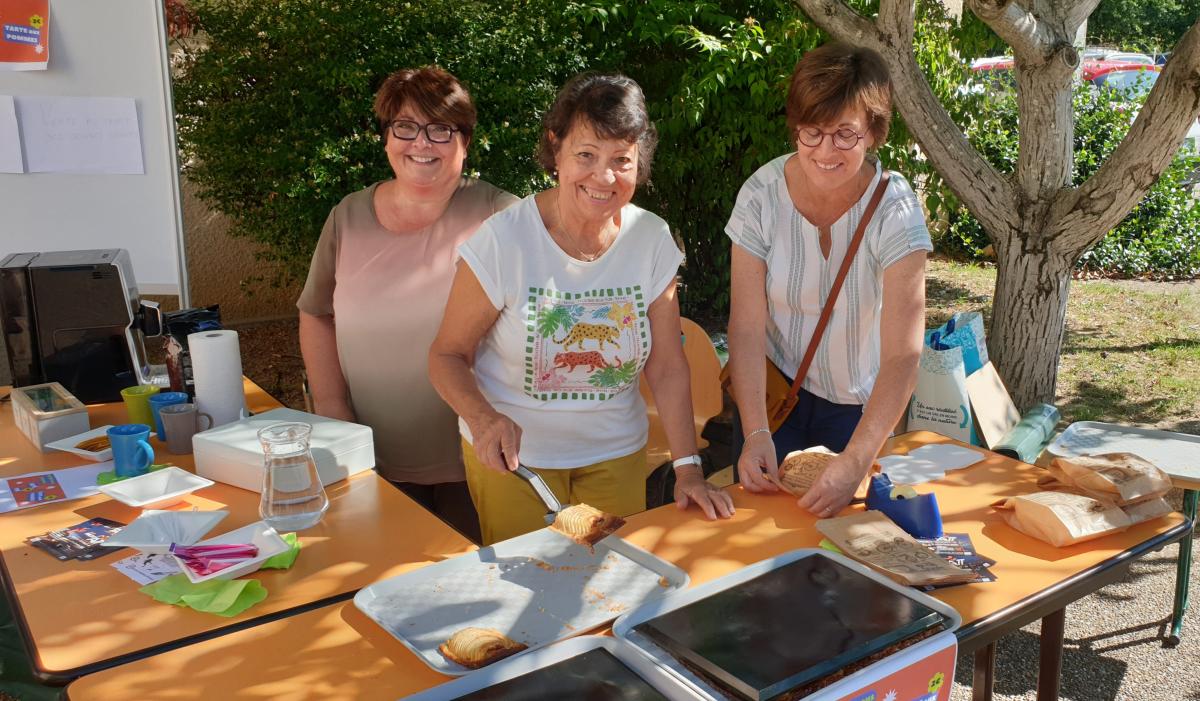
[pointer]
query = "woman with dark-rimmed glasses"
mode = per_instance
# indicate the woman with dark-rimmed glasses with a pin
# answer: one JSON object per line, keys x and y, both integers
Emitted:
{"x": 378, "y": 285}
{"x": 791, "y": 228}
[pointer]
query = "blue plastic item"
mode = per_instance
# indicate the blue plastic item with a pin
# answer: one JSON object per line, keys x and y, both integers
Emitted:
{"x": 919, "y": 516}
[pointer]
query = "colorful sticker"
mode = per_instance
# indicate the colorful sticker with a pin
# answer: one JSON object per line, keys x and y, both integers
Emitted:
{"x": 921, "y": 679}
{"x": 28, "y": 491}
{"x": 584, "y": 345}
{"x": 24, "y": 35}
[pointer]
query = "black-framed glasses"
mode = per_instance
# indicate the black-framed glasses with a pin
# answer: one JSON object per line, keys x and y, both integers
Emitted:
{"x": 843, "y": 139}
{"x": 408, "y": 130}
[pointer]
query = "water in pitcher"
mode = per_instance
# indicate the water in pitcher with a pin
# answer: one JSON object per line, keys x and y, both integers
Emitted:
{"x": 292, "y": 496}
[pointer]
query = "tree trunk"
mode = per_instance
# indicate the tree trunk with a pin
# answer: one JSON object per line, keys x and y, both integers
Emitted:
{"x": 1028, "y": 318}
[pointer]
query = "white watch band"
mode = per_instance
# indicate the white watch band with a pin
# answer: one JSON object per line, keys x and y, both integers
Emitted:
{"x": 689, "y": 460}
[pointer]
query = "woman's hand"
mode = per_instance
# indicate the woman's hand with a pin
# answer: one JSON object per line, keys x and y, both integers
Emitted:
{"x": 758, "y": 470}
{"x": 496, "y": 440}
{"x": 835, "y": 488}
{"x": 692, "y": 488}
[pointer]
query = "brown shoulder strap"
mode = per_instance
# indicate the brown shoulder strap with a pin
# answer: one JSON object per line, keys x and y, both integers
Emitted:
{"x": 835, "y": 290}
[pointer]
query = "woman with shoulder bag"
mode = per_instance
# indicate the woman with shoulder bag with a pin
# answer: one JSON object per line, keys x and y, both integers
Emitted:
{"x": 828, "y": 283}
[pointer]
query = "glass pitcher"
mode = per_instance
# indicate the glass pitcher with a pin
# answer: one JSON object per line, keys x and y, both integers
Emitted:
{"x": 292, "y": 496}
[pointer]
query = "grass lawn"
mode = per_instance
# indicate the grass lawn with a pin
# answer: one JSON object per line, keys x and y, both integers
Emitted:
{"x": 1131, "y": 353}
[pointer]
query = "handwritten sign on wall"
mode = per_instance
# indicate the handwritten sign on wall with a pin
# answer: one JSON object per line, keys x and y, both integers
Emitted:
{"x": 80, "y": 134}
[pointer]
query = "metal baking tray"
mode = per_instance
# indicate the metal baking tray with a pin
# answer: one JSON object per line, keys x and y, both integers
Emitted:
{"x": 1177, "y": 454}
{"x": 588, "y": 667}
{"x": 759, "y": 647}
{"x": 536, "y": 588}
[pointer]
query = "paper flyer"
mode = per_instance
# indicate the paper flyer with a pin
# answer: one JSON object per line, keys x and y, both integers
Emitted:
{"x": 50, "y": 486}
{"x": 24, "y": 35}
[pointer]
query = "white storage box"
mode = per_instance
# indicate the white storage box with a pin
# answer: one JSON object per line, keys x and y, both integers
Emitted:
{"x": 46, "y": 413}
{"x": 233, "y": 455}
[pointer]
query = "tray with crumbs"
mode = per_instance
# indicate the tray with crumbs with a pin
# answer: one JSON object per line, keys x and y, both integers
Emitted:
{"x": 536, "y": 588}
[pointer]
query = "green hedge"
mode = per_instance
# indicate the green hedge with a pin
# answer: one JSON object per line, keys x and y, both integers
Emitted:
{"x": 1160, "y": 238}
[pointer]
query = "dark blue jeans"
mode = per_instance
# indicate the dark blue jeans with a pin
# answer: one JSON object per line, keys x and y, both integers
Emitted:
{"x": 814, "y": 421}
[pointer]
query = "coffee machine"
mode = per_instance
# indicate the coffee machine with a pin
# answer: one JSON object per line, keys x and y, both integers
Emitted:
{"x": 74, "y": 317}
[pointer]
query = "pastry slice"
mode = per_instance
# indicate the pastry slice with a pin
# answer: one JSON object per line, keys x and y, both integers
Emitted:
{"x": 477, "y": 647}
{"x": 585, "y": 524}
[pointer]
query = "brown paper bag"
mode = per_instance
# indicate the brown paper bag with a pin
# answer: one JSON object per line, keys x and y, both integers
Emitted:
{"x": 875, "y": 540}
{"x": 801, "y": 468}
{"x": 1147, "y": 509}
{"x": 1062, "y": 518}
{"x": 1123, "y": 478}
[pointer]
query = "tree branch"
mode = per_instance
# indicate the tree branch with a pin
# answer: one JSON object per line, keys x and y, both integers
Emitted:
{"x": 1030, "y": 38}
{"x": 1075, "y": 15}
{"x": 1085, "y": 214}
{"x": 973, "y": 180}
{"x": 896, "y": 17}
{"x": 841, "y": 22}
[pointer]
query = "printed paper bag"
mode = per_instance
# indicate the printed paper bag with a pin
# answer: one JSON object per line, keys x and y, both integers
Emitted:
{"x": 875, "y": 540}
{"x": 1062, "y": 518}
{"x": 1123, "y": 478}
{"x": 940, "y": 403}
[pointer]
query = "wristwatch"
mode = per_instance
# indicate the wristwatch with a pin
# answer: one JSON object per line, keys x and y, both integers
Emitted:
{"x": 689, "y": 460}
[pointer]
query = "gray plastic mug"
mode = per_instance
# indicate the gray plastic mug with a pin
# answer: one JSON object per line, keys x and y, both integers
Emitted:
{"x": 181, "y": 422}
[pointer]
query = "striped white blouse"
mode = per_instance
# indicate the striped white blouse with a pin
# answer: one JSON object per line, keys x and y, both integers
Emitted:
{"x": 766, "y": 224}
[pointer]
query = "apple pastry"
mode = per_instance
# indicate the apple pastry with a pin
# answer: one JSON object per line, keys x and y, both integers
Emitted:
{"x": 477, "y": 647}
{"x": 585, "y": 524}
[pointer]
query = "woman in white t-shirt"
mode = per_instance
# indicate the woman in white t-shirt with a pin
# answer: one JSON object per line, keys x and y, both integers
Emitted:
{"x": 559, "y": 305}
{"x": 791, "y": 228}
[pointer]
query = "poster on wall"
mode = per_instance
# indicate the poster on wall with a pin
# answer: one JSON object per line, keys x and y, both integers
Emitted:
{"x": 24, "y": 35}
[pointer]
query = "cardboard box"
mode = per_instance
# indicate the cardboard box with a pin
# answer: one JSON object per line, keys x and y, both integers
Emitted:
{"x": 232, "y": 454}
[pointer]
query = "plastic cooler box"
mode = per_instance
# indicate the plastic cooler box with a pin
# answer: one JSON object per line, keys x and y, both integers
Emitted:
{"x": 232, "y": 454}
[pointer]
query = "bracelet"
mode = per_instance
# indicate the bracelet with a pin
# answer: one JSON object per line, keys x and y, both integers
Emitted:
{"x": 689, "y": 460}
{"x": 756, "y": 431}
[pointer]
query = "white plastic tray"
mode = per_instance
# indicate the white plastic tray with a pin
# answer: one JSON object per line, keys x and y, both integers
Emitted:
{"x": 536, "y": 588}
{"x": 258, "y": 533}
{"x": 67, "y": 445}
{"x": 155, "y": 490}
{"x": 154, "y": 531}
{"x": 1177, "y": 454}
{"x": 623, "y": 628}
{"x": 652, "y": 674}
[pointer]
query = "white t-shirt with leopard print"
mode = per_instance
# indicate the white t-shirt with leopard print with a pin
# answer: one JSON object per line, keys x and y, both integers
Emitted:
{"x": 564, "y": 358}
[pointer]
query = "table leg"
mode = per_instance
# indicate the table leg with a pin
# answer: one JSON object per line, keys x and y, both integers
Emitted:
{"x": 1050, "y": 654}
{"x": 984, "y": 674}
{"x": 1183, "y": 569}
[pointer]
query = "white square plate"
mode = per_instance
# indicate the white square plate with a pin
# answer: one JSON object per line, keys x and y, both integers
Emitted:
{"x": 154, "y": 531}
{"x": 67, "y": 445}
{"x": 259, "y": 533}
{"x": 156, "y": 490}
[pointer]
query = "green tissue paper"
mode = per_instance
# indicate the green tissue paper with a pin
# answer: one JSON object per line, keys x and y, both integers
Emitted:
{"x": 217, "y": 596}
{"x": 287, "y": 558}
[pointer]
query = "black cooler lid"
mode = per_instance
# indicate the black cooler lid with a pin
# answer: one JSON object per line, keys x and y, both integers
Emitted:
{"x": 789, "y": 627}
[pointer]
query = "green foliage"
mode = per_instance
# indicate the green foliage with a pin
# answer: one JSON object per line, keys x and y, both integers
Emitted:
{"x": 275, "y": 119}
{"x": 1142, "y": 25}
{"x": 1159, "y": 238}
{"x": 274, "y": 108}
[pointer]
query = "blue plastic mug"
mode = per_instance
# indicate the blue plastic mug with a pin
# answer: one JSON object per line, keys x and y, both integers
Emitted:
{"x": 131, "y": 449}
{"x": 160, "y": 400}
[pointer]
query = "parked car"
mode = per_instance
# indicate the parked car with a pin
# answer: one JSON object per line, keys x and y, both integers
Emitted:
{"x": 1133, "y": 82}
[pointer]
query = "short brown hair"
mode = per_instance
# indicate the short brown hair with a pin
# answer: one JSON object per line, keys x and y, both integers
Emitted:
{"x": 835, "y": 77}
{"x": 435, "y": 92}
{"x": 612, "y": 105}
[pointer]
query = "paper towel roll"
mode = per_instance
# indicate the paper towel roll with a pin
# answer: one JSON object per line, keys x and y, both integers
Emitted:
{"x": 217, "y": 372}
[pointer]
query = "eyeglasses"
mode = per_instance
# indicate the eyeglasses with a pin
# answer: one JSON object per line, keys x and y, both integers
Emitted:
{"x": 843, "y": 139}
{"x": 408, "y": 130}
